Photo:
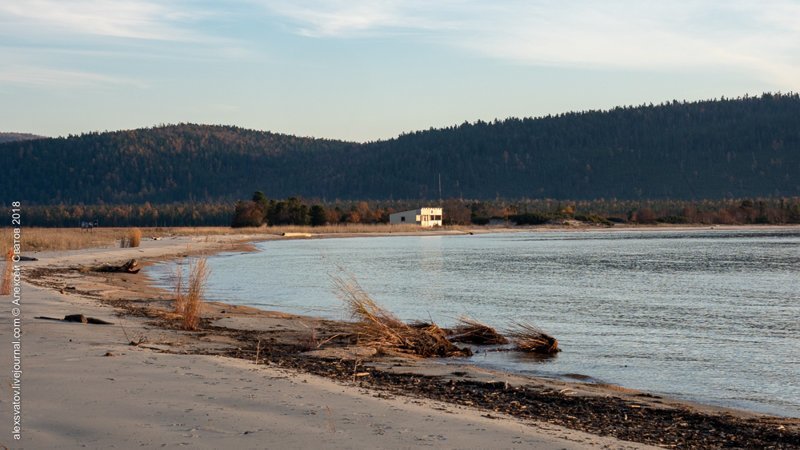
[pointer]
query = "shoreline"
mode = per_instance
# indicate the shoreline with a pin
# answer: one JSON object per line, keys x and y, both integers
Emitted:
{"x": 580, "y": 377}
{"x": 763, "y": 408}
{"x": 233, "y": 331}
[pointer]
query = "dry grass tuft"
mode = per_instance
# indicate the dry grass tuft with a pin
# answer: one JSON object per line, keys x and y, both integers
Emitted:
{"x": 379, "y": 328}
{"x": 8, "y": 272}
{"x": 470, "y": 331}
{"x": 531, "y": 339}
{"x": 189, "y": 301}
{"x": 135, "y": 237}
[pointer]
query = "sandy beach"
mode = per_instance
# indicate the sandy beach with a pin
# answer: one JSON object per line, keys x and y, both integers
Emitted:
{"x": 142, "y": 382}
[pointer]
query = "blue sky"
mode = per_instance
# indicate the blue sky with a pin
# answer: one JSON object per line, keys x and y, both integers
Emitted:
{"x": 366, "y": 70}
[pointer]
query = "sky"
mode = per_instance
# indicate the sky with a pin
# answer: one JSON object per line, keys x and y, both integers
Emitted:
{"x": 364, "y": 70}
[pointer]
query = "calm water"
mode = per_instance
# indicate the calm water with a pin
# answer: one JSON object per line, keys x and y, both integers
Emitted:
{"x": 711, "y": 316}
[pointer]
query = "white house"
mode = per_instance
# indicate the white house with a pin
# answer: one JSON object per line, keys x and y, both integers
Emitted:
{"x": 424, "y": 217}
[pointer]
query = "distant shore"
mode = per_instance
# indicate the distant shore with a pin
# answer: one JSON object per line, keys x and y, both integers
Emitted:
{"x": 60, "y": 239}
{"x": 564, "y": 414}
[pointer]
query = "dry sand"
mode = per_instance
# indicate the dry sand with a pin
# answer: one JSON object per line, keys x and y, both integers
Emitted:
{"x": 84, "y": 386}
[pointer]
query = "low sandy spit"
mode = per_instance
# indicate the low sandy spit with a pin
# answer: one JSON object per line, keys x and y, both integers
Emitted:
{"x": 248, "y": 380}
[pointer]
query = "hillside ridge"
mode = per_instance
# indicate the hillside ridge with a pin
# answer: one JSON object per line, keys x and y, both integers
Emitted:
{"x": 723, "y": 148}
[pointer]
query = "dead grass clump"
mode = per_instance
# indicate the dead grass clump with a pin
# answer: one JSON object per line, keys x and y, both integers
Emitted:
{"x": 135, "y": 237}
{"x": 531, "y": 339}
{"x": 379, "y": 328}
{"x": 191, "y": 301}
{"x": 470, "y": 331}
{"x": 8, "y": 273}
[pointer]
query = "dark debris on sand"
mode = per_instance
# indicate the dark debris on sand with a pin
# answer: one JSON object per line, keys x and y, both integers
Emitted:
{"x": 605, "y": 416}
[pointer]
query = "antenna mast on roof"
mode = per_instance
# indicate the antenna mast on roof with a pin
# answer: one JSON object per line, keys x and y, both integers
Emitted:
{"x": 440, "y": 187}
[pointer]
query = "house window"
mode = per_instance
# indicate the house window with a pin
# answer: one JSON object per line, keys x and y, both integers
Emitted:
{"x": 402, "y": 218}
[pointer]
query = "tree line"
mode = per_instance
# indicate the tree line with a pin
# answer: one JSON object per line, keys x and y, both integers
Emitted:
{"x": 258, "y": 210}
{"x": 129, "y": 215}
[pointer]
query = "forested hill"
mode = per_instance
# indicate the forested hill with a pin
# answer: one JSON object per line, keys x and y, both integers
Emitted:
{"x": 177, "y": 163}
{"x": 712, "y": 149}
{"x": 12, "y": 137}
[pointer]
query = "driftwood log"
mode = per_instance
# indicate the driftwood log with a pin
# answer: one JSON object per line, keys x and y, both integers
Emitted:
{"x": 132, "y": 266}
{"x": 78, "y": 318}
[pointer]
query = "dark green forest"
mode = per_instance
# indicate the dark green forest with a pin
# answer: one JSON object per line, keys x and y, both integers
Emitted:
{"x": 720, "y": 149}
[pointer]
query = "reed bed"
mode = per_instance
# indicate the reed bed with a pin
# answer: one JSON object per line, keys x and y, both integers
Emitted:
{"x": 531, "y": 339}
{"x": 471, "y": 331}
{"x": 379, "y": 328}
{"x": 44, "y": 239}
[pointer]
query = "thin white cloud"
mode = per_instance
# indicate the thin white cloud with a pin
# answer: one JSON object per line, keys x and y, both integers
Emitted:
{"x": 756, "y": 38}
{"x": 339, "y": 18}
{"x": 37, "y": 38}
{"x": 53, "y": 77}
{"x": 133, "y": 19}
